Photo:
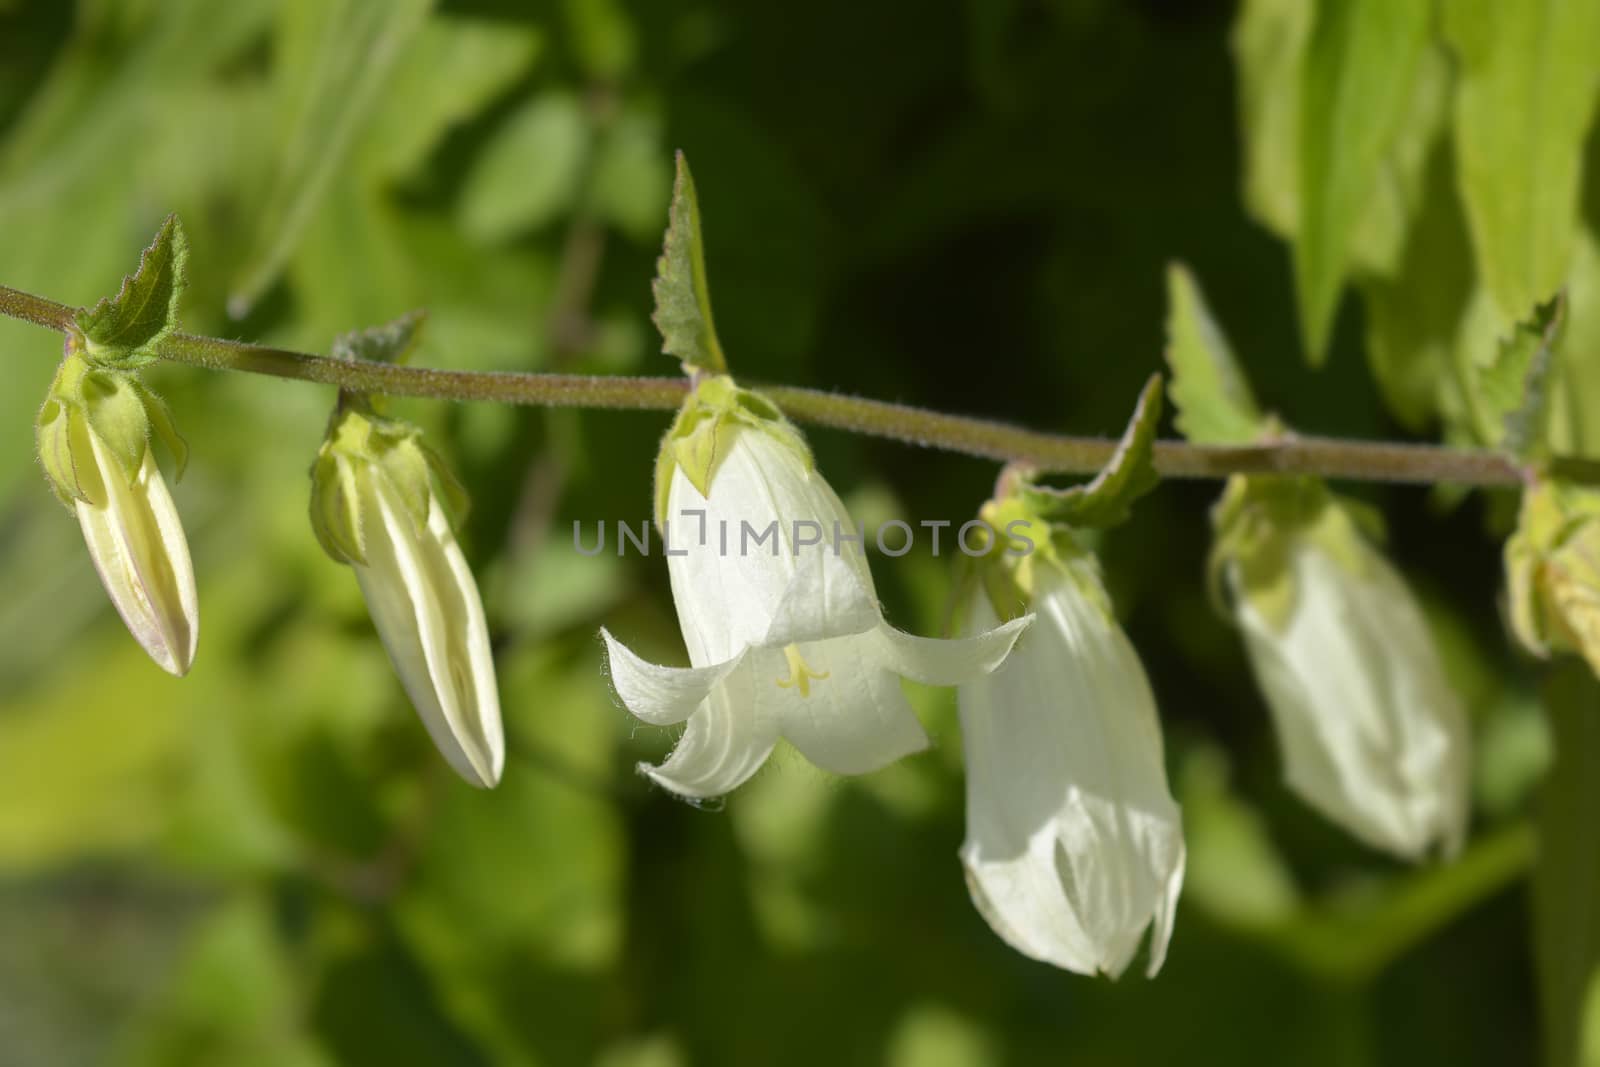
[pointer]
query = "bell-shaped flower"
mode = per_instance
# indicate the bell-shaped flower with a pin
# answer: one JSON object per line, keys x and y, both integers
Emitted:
{"x": 94, "y": 444}
{"x": 376, "y": 505}
{"x": 1553, "y": 571}
{"x": 1074, "y": 845}
{"x": 1371, "y": 733}
{"x": 778, "y": 610}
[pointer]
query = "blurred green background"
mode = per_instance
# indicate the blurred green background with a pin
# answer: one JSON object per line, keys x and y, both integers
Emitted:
{"x": 966, "y": 205}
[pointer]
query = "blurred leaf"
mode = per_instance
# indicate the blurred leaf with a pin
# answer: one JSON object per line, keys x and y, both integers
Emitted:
{"x": 1513, "y": 392}
{"x": 603, "y": 37}
{"x": 452, "y": 70}
{"x": 1523, "y": 110}
{"x": 335, "y": 59}
{"x": 529, "y": 172}
{"x": 145, "y": 309}
{"x": 1269, "y": 45}
{"x": 1234, "y": 871}
{"x": 929, "y": 1035}
{"x": 1359, "y": 71}
{"x": 1209, "y": 392}
{"x": 390, "y": 343}
{"x": 683, "y": 296}
{"x": 237, "y": 999}
{"x": 1575, "y": 402}
{"x": 1566, "y": 879}
{"x": 1412, "y": 318}
{"x": 1128, "y": 475}
{"x": 632, "y": 180}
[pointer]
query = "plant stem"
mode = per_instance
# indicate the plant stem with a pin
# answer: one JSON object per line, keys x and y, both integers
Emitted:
{"x": 1371, "y": 461}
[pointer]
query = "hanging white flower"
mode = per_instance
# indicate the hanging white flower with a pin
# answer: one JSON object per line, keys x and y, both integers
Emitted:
{"x": 376, "y": 505}
{"x": 778, "y": 610}
{"x": 93, "y": 435}
{"x": 1074, "y": 844}
{"x": 1371, "y": 732}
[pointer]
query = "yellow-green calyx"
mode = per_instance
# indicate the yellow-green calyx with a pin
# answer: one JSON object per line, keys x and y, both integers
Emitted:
{"x": 1262, "y": 519}
{"x": 114, "y": 406}
{"x": 1553, "y": 571}
{"x": 704, "y": 427}
{"x": 362, "y": 444}
{"x": 1025, "y": 551}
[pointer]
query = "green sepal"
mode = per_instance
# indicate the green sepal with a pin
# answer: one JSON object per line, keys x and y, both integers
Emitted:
{"x": 1130, "y": 473}
{"x": 716, "y": 410}
{"x": 393, "y": 342}
{"x": 116, "y": 412}
{"x": 1212, "y": 400}
{"x": 1512, "y": 394}
{"x": 1552, "y": 564}
{"x": 682, "y": 295}
{"x": 335, "y": 507}
{"x": 1261, "y": 519}
{"x": 162, "y": 424}
{"x": 124, "y": 330}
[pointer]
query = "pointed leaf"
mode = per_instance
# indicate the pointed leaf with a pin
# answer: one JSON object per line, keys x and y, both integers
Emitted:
{"x": 1130, "y": 474}
{"x": 1524, "y": 105}
{"x": 393, "y": 342}
{"x": 1361, "y": 62}
{"x": 683, "y": 298}
{"x": 1513, "y": 392}
{"x": 124, "y": 328}
{"x": 1213, "y": 400}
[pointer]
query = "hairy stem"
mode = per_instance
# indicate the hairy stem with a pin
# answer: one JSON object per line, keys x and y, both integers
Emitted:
{"x": 1371, "y": 461}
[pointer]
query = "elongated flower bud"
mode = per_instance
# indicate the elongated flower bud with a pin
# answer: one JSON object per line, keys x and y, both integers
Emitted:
{"x": 376, "y": 506}
{"x": 1074, "y": 844}
{"x": 1371, "y": 732}
{"x": 93, "y": 435}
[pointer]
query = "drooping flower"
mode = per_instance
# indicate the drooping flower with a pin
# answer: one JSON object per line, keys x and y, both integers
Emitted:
{"x": 778, "y": 610}
{"x": 377, "y": 505}
{"x": 1371, "y": 733}
{"x": 1074, "y": 844}
{"x": 94, "y": 443}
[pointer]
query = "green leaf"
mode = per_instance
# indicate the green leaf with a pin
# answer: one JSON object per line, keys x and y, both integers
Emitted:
{"x": 1566, "y": 877}
{"x": 530, "y": 171}
{"x": 336, "y": 59}
{"x": 1269, "y": 44}
{"x": 1513, "y": 392}
{"x": 393, "y": 342}
{"x": 1213, "y": 400}
{"x": 1525, "y": 101}
{"x": 1128, "y": 475}
{"x": 1359, "y": 69}
{"x": 683, "y": 298}
{"x": 1413, "y": 317}
{"x": 125, "y": 328}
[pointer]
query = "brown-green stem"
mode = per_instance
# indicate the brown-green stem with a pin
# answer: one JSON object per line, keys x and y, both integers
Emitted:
{"x": 1373, "y": 461}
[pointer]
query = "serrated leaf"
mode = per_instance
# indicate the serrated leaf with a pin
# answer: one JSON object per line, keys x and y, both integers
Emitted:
{"x": 1513, "y": 392}
{"x": 1359, "y": 69}
{"x": 1128, "y": 475}
{"x": 1524, "y": 104}
{"x": 393, "y": 342}
{"x": 1213, "y": 400}
{"x": 683, "y": 298}
{"x": 124, "y": 328}
{"x": 1566, "y": 876}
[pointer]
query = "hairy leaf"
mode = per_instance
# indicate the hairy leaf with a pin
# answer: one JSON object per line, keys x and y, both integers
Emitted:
{"x": 392, "y": 342}
{"x": 683, "y": 298}
{"x": 1210, "y": 393}
{"x": 1513, "y": 392}
{"x": 123, "y": 328}
{"x": 1128, "y": 475}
